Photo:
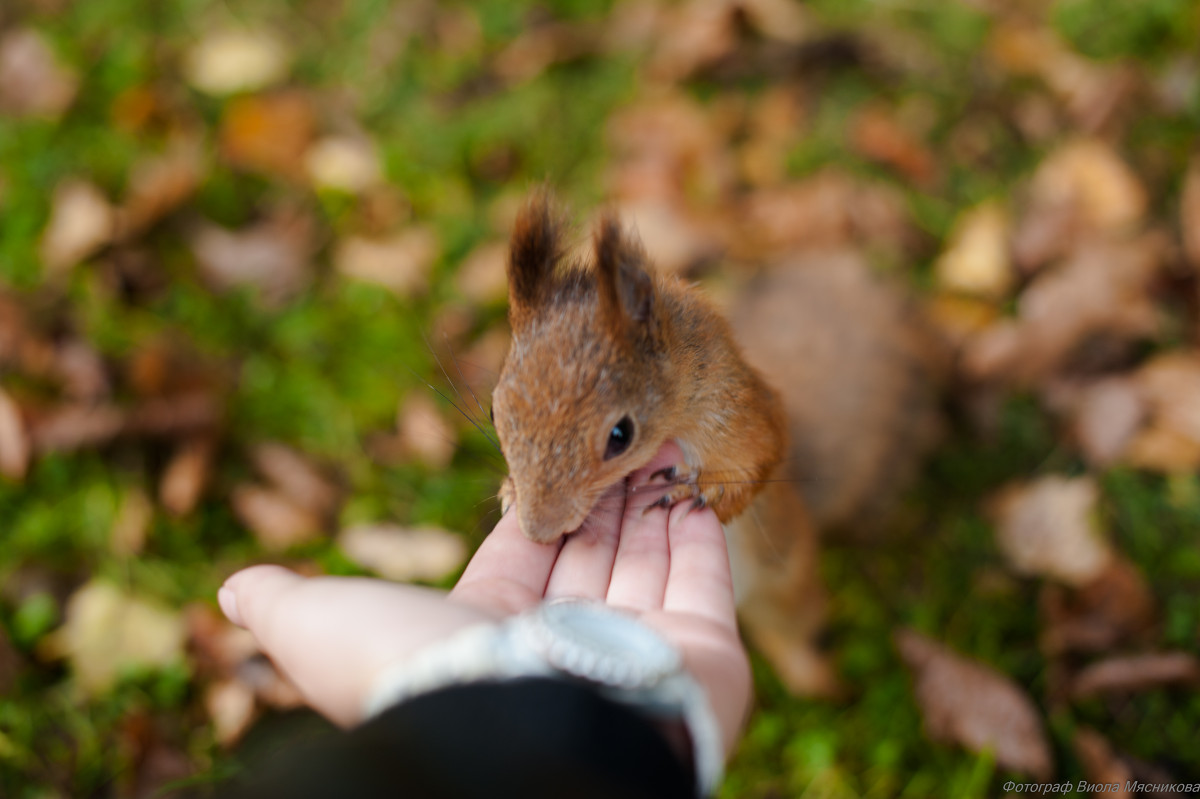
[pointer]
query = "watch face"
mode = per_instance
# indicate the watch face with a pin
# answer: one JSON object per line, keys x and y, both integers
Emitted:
{"x": 591, "y": 640}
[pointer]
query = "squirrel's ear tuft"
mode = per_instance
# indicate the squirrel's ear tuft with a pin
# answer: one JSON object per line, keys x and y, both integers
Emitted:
{"x": 626, "y": 291}
{"x": 534, "y": 253}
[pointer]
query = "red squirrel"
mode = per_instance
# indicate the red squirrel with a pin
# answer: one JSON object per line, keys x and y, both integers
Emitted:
{"x": 607, "y": 364}
{"x": 609, "y": 361}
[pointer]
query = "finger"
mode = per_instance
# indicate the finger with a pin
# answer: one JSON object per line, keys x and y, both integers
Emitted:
{"x": 584, "y": 565}
{"x": 643, "y": 491}
{"x": 639, "y": 573}
{"x": 699, "y": 580}
{"x": 509, "y": 572}
{"x": 333, "y": 635}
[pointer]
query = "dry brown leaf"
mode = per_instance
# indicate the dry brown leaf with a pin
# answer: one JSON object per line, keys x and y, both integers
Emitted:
{"x": 269, "y": 133}
{"x": 668, "y": 145}
{"x": 404, "y": 554}
{"x": 186, "y": 476}
{"x": 423, "y": 432}
{"x": 1170, "y": 386}
{"x": 1100, "y": 762}
{"x": 14, "y": 440}
{"x": 530, "y": 53}
{"x": 1048, "y": 528}
{"x": 482, "y": 278}
{"x": 345, "y": 163}
{"x": 877, "y": 135}
{"x": 81, "y": 371}
{"x": 184, "y": 413}
{"x": 1093, "y": 93}
{"x": 81, "y": 222}
{"x": 132, "y": 524}
{"x": 400, "y": 263}
{"x": 108, "y": 630}
{"x": 159, "y": 184}
{"x": 701, "y": 32}
{"x": 776, "y": 122}
{"x": 1087, "y": 311}
{"x": 271, "y": 257}
{"x": 32, "y": 81}
{"x": 1108, "y": 415}
{"x": 1115, "y": 608}
{"x": 976, "y": 261}
{"x": 276, "y": 521}
{"x": 1189, "y": 213}
{"x": 959, "y": 318}
{"x": 676, "y": 241}
{"x": 1133, "y": 673}
{"x": 1081, "y": 188}
{"x": 230, "y": 706}
{"x": 296, "y": 476}
{"x": 72, "y": 427}
{"x": 826, "y": 211}
{"x": 229, "y": 61}
{"x": 218, "y": 646}
{"x": 967, "y": 703}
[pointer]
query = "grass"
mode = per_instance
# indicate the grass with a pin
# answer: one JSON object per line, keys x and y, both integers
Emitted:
{"x": 325, "y": 370}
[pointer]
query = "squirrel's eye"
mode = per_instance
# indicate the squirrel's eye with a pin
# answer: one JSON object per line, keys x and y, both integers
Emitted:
{"x": 619, "y": 438}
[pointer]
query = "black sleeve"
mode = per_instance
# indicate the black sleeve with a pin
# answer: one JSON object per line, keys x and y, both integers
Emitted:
{"x": 529, "y": 738}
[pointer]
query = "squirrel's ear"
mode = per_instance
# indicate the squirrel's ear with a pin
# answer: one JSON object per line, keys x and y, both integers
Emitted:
{"x": 534, "y": 253}
{"x": 626, "y": 291}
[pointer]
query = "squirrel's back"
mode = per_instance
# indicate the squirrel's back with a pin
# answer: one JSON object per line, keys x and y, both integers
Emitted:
{"x": 856, "y": 372}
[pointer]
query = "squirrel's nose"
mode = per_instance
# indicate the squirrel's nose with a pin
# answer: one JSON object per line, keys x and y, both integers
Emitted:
{"x": 540, "y": 527}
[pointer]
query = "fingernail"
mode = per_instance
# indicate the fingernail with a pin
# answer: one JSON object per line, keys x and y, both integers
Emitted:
{"x": 227, "y": 599}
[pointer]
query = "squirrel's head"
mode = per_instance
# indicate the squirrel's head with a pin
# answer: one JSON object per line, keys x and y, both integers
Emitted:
{"x": 581, "y": 400}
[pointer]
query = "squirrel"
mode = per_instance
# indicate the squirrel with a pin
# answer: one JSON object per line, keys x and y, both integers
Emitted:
{"x": 609, "y": 361}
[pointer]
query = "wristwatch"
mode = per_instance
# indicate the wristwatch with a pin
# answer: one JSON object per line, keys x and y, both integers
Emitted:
{"x": 572, "y": 639}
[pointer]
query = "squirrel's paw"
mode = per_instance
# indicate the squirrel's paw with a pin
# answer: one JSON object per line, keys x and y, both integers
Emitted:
{"x": 684, "y": 487}
{"x": 507, "y": 494}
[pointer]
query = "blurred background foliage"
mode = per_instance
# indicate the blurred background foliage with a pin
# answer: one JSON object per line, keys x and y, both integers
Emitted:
{"x": 252, "y": 253}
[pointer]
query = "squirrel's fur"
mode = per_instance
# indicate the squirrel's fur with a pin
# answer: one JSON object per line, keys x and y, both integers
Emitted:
{"x": 595, "y": 344}
{"x": 609, "y": 344}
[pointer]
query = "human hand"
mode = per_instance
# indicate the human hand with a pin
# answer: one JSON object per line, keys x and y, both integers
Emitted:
{"x": 334, "y": 636}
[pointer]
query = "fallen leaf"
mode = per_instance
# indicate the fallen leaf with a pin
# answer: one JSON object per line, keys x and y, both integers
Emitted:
{"x": 81, "y": 371}
{"x": 271, "y": 257}
{"x": 826, "y": 211}
{"x": 976, "y": 261}
{"x": 269, "y": 133}
{"x": 229, "y": 61}
{"x": 32, "y": 80}
{"x": 14, "y": 440}
{"x": 675, "y": 241}
{"x": 1081, "y": 188}
{"x": 482, "y": 277}
{"x": 1133, "y": 673}
{"x": 965, "y": 702}
{"x": 404, "y": 554}
{"x": 132, "y": 524}
{"x": 73, "y": 427}
{"x": 186, "y": 476}
{"x": 345, "y": 163}
{"x": 1047, "y": 528}
{"x": 1107, "y": 417}
{"x": 230, "y": 706}
{"x": 400, "y": 263}
{"x": 1189, "y": 213}
{"x": 1114, "y": 608}
{"x": 1094, "y": 306}
{"x": 1170, "y": 386}
{"x": 183, "y": 413}
{"x": 1100, "y": 763}
{"x": 277, "y": 522}
{"x": 108, "y": 630}
{"x": 530, "y": 53}
{"x": 81, "y": 222}
{"x": 424, "y": 433}
{"x": 295, "y": 476}
{"x": 877, "y": 135}
{"x": 159, "y": 184}
{"x": 218, "y": 645}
